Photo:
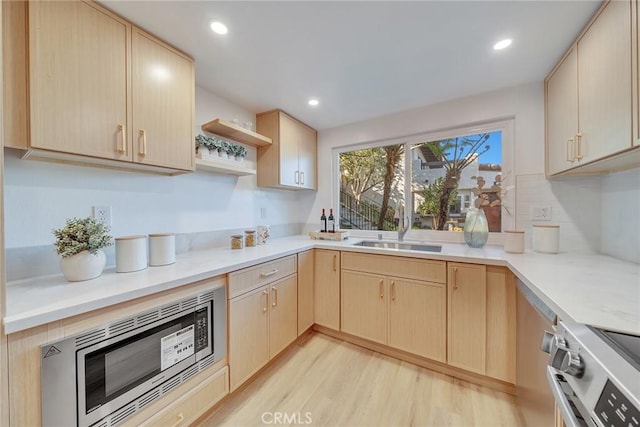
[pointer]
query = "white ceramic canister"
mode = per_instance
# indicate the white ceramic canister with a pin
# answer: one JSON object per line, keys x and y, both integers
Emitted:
{"x": 162, "y": 249}
{"x": 545, "y": 238}
{"x": 513, "y": 241}
{"x": 263, "y": 234}
{"x": 131, "y": 253}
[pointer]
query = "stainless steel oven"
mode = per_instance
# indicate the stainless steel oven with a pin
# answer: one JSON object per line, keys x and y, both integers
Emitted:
{"x": 103, "y": 376}
{"x": 594, "y": 375}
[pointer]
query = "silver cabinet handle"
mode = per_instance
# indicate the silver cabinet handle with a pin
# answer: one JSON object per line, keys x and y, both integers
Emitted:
{"x": 301, "y": 178}
{"x": 455, "y": 278}
{"x": 266, "y": 300}
{"x": 381, "y": 288}
{"x": 271, "y": 273}
{"x": 296, "y": 177}
{"x": 275, "y": 297}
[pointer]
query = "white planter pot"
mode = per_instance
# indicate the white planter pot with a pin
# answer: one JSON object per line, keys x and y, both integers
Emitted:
{"x": 83, "y": 266}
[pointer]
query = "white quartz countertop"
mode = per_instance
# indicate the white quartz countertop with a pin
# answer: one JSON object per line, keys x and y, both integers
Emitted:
{"x": 592, "y": 289}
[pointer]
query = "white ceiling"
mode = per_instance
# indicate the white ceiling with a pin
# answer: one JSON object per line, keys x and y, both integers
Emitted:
{"x": 361, "y": 59}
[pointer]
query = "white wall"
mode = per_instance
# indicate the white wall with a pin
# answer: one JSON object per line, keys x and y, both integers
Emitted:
{"x": 621, "y": 215}
{"x": 40, "y": 196}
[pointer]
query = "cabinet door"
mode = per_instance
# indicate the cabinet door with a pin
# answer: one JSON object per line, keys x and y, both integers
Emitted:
{"x": 78, "y": 79}
{"x": 327, "y": 288}
{"x": 467, "y": 332}
{"x": 417, "y": 317}
{"x": 604, "y": 70}
{"x": 289, "y": 135}
{"x": 562, "y": 114}
{"x": 248, "y": 335}
{"x": 635, "y": 15}
{"x": 15, "y": 78}
{"x": 364, "y": 306}
{"x": 305, "y": 291}
{"x": 283, "y": 316}
{"x": 307, "y": 157}
{"x": 162, "y": 103}
{"x": 191, "y": 405}
{"x": 501, "y": 324}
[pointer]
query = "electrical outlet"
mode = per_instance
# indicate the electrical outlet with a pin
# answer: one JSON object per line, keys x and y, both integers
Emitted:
{"x": 102, "y": 214}
{"x": 263, "y": 213}
{"x": 541, "y": 213}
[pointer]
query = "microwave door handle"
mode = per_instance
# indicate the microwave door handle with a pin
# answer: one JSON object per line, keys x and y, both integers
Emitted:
{"x": 568, "y": 416}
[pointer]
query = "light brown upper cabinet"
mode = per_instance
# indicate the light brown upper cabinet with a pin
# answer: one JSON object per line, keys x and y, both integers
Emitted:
{"x": 589, "y": 98}
{"x": 290, "y": 161}
{"x": 635, "y": 56}
{"x": 162, "y": 86}
{"x": 99, "y": 89}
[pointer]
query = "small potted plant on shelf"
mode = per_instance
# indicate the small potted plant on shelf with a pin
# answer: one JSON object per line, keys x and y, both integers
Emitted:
{"x": 226, "y": 150}
{"x": 240, "y": 153}
{"x": 201, "y": 144}
{"x": 216, "y": 146}
{"x": 79, "y": 243}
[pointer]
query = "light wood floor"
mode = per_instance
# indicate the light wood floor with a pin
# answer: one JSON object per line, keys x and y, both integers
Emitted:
{"x": 322, "y": 381}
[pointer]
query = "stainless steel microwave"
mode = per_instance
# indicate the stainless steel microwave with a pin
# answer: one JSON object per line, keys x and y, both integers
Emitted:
{"x": 103, "y": 376}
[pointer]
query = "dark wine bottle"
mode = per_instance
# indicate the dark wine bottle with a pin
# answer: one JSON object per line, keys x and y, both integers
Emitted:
{"x": 323, "y": 222}
{"x": 331, "y": 226}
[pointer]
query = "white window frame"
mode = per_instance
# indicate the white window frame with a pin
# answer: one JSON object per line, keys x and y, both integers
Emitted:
{"x": 505, "y": 126}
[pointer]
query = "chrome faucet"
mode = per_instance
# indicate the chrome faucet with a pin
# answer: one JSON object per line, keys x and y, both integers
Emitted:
{"x": 403, "y": 226}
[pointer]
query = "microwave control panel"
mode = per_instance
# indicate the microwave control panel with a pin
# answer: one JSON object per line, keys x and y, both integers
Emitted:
{"x": 202, "y": 328}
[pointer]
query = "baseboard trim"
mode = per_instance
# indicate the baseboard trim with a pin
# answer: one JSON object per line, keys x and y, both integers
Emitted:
{"x": 432, "y": 365}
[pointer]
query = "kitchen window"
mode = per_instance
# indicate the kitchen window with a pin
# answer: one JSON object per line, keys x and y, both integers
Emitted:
{"x": 430, "y": 180}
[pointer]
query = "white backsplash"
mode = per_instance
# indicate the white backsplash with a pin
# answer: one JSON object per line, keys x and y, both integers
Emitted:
{"x": 621, "y": 215}
{"x": 575, "y": 206}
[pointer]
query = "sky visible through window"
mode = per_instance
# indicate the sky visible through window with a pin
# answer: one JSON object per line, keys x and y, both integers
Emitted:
{"x": 494, "y": 155}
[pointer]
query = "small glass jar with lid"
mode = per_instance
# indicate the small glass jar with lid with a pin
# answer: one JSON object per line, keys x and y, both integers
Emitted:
{"x": 250, "y": 238}
{"x": 236, "y": 241}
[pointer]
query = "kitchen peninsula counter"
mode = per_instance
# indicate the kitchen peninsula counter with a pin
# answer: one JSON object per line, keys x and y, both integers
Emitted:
{"x": 592, "y": 289}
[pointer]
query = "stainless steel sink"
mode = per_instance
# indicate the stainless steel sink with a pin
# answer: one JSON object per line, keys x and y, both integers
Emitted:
{"x": 399, "y": 245}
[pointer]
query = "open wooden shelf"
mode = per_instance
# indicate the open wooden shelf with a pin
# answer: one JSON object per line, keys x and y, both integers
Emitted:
{"x": 235, "y": 132}
{"x": 225, "y": 166}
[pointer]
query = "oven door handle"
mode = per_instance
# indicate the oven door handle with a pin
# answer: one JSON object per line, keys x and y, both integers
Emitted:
{"x": 568, "y": 416}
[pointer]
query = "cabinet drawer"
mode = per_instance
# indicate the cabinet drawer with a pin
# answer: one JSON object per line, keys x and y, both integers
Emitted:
{"x": 408, "y": 268}
{"x": 194, "y": 403}
{"x": 244, "y": 280}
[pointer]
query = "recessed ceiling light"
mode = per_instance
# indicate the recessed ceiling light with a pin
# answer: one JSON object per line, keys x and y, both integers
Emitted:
{"x": 502, "y": 44}
{"x": 219, "y": 27}
{"x": 313, "y": 102}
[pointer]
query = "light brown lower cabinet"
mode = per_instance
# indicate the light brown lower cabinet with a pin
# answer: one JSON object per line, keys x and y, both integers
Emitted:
{"x": 305, "y": 290}
{"x": 262, "y": 322}
{"x": 403, "y": 313}
{"x": 481, "y": 314}
{"x": 326, "y": 298}
{"x": 194, "y": 403}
